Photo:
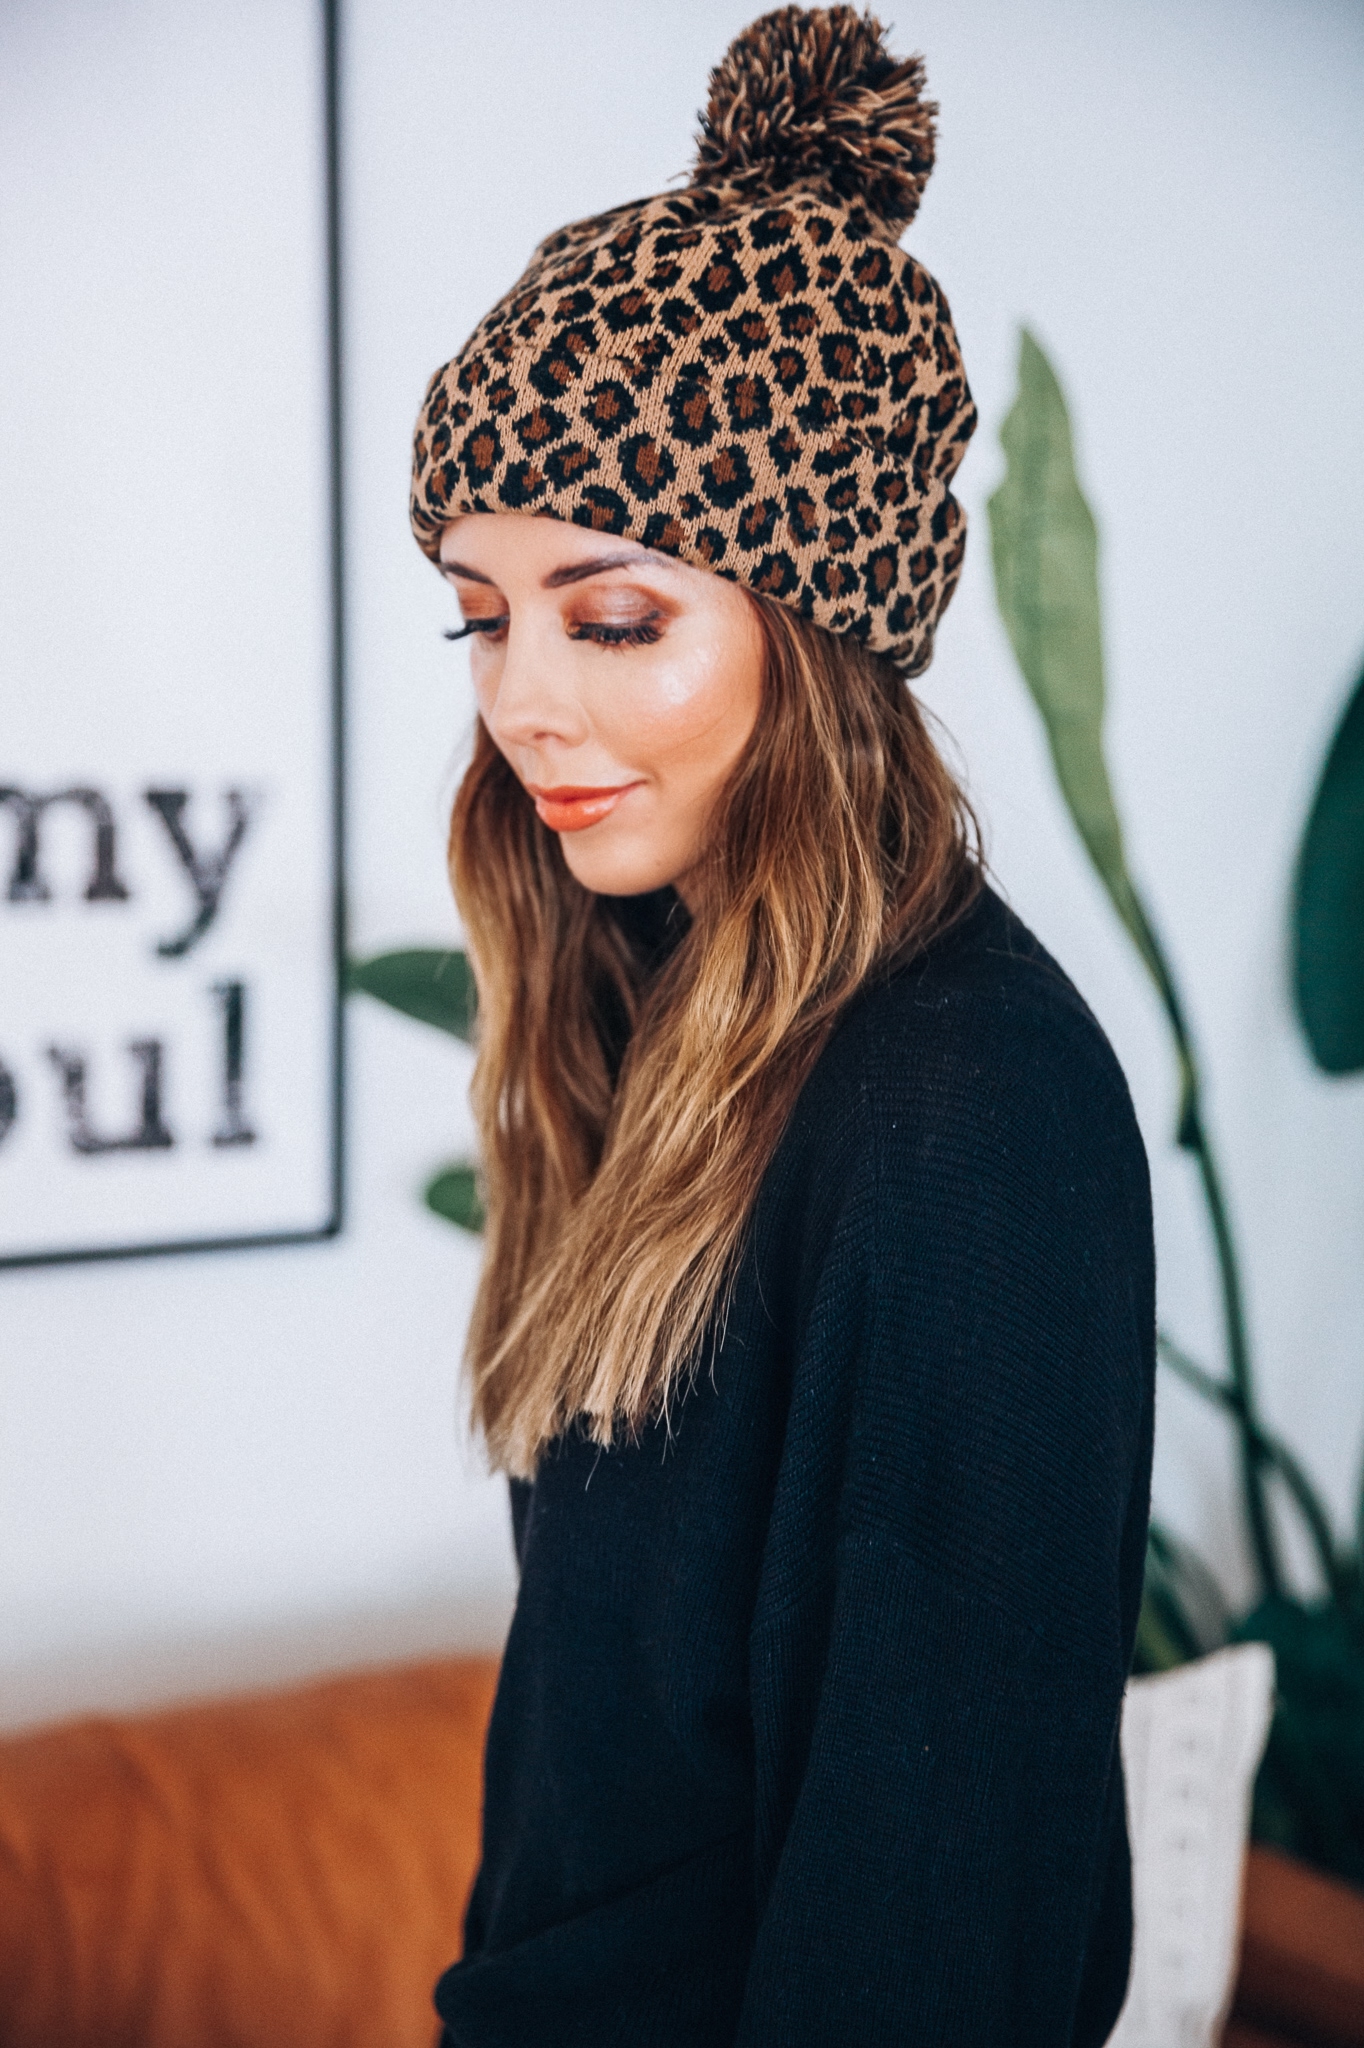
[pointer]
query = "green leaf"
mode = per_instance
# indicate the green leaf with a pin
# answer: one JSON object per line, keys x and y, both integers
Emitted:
{"x": 453, "y": 1194}
{"x": 1328, "y": 904}
{"x": 1044, "y": 547}
{"x": 436, "y": 988}
{"x": 1309, "y": 1797}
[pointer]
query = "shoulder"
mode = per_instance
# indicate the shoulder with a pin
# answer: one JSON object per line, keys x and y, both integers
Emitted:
{"x": 976, "y": 1063}
{"x": 986, "y": 985}
{"x": 983, "y": 1026}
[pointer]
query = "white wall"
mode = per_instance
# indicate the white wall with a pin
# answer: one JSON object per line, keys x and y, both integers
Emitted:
{"x": 215, "y": 1467}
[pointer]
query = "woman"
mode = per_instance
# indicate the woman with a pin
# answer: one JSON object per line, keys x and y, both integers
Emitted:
{"x": 816, "y": 1322}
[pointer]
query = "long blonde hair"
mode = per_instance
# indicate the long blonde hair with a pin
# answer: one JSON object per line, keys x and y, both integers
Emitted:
{"x": 617, "y": 1205}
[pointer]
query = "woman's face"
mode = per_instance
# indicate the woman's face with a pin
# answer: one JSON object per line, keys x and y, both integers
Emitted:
{"x": 621, "y": 686}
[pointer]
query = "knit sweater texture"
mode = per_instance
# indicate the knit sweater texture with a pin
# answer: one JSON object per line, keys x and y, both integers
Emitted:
{"x": 807, "y": 1729}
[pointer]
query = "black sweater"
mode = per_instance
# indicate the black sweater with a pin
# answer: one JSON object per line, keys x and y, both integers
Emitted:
{"x": 807, "y": 1725}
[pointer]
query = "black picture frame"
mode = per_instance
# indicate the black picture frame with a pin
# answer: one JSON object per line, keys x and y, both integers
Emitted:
{"x": 329, "y": 29}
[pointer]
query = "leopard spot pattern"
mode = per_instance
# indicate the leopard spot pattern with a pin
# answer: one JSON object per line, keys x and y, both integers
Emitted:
{"x": 773, "y": 393}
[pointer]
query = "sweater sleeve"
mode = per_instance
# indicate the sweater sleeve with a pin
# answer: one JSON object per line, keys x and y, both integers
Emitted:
{"x": 958, "y": 1528}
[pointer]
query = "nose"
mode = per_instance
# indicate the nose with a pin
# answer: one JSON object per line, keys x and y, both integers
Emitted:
{"x": 533, "y": 701}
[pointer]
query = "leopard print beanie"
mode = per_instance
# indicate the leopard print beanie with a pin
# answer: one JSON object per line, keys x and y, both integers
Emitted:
{"x": 748, "y": 373}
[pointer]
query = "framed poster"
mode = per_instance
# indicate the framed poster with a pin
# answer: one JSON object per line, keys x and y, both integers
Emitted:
{"x": 170, "y": 627}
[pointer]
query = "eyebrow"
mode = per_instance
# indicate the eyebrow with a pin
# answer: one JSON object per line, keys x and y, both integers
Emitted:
{"x": 571, "y": 572}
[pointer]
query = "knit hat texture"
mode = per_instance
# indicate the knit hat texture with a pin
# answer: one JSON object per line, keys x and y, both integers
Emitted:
{"x": 747, "y": 373}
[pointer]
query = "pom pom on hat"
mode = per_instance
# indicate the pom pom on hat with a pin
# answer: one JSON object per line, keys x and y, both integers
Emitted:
{"x": 811, "y": 97}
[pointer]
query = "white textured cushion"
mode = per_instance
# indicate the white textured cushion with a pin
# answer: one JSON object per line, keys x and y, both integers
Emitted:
{"x": 1191, "y": 1741}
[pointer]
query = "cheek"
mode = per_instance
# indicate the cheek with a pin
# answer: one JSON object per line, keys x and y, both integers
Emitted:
{"x": 687, "y": 708}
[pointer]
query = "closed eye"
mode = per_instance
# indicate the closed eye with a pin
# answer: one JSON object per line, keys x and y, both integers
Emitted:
{"x": 640, "y": 633}
{"x": 476, "y": 626}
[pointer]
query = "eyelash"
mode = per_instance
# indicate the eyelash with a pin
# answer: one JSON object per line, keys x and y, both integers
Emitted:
{"x": 475, "y": 626}
{"x": 641, "y": 634}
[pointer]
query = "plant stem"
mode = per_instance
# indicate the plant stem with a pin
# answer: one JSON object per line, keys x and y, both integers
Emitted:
{"x": 1273, "y": 1452}
{"x": 1193, "y": 1136}
{"x": 1263, "y": 1541}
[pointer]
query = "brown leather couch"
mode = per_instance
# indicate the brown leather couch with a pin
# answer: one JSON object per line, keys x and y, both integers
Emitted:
{"x": 283, "y": 1871}
{"x": 289, "y": 1870}
{"x": 1302, "y": 1959}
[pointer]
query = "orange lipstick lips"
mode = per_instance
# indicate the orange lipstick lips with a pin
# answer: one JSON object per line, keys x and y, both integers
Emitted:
{"x": 573, "y": 809}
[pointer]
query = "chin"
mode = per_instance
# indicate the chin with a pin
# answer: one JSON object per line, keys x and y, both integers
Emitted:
{"x": 614, "y": 870}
